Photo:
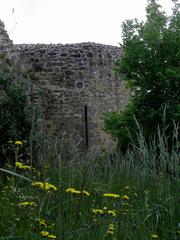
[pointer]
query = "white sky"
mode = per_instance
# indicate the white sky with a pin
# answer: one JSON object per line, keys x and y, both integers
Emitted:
{"x": 70, "y": 21}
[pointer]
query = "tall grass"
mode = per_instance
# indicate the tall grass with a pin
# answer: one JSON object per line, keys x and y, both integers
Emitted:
{"x": 145, "y": 179}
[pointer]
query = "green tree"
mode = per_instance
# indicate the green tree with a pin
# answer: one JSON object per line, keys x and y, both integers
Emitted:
{"x": 150, "y": 66}
{"x": 15, "y": 112}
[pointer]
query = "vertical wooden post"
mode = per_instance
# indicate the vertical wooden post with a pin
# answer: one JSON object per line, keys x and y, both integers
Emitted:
{"x": 86, "y": 125}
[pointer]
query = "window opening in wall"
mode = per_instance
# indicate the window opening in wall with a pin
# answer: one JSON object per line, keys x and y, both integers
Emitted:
{"x": 79, "y": 84}
{"x": 86, "y": 125}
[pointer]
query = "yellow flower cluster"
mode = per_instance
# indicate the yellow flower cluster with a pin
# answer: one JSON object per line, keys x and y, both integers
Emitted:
{"x": 77, "y": 192}
{"x": 47, "y": 235}
{"x": 44, "y": 186}
{"x": 111, "y": 229}
{"x": 20, "y": 165}
{"x": 25, "y": 204}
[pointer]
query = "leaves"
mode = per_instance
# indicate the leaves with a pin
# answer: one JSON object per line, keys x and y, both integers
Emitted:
{"x": 150, "y": 66}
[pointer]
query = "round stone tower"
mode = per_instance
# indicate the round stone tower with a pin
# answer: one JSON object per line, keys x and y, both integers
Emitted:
{"x": 78, "y": 84}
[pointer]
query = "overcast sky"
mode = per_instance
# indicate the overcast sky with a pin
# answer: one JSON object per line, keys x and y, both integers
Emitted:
{"x": 70, "y": 21}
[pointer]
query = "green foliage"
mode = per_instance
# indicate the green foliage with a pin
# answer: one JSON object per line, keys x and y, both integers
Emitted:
{"x": 150, "y": 66}
{"x": 146, "y": 202}
{"x": 15, "y": 110}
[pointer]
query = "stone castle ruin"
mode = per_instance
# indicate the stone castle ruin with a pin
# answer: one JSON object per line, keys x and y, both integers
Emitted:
{"x": 78, "y": 82}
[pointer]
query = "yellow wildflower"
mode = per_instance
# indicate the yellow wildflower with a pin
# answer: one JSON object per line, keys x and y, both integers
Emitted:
{"x": 44, "y": 233}
{"x": 50, "y": 236}
{"x": 154, "y": 236}
{"x": 111, "y": 229}
{"x": 44, "y": 186}
{"x": 25, "y": 167}
{"x": 98, "y": 211}
{"x": 18, "y": 164}
{"x": 85, "y": 193}
{"x": 110, "y": 232}
{"x": 25, "y": 204}
{"x": 42, "y": 222}
{"x": 125, "y": 197}
{"x": 37, "y": 184}
{"x": 74, "y": 191}
{"x": 18, "y": 142}
{"x": 111, "y": 226}
{"x": 70, "y": 189}
{"x": 111, "y": 195}
{"x": 22, "y": 166}
{"x": 112, "y": 213}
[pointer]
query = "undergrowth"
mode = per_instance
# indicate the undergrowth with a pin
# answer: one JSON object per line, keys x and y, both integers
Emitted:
{"x": 113, "y": 196}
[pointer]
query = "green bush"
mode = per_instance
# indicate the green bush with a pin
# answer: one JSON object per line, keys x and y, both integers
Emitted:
{"x": 151, "y": 70}
{"x": 15, "y": 111}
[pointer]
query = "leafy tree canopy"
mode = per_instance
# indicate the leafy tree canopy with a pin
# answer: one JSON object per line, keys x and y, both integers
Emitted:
{"x": 150, "y": 66}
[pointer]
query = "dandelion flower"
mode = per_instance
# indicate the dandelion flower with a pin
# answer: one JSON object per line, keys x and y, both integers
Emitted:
{"x": 44, "y": 233}
{"x": 18, "y": 142}
{"x": 110, "y": 232}
{"x": 125, "y": 197}
{"x": 22, "y": 166}
{"x": 111, "y": 229}
{"x": 25, "y": 204}
{"x": 50, "y": 236}
{"x": 85, "y": 193}
{"x": 44, "y": 186}
{"x": 111, "y": 195}
{"x": 70, "y": 189}
{"x": 111, "y": 226}
{"x": 42, "y": 222}
{"x": 98, "y": 211}
{"x": 77, "y": 192}
{"x": 18, "y": 164}
{"x": 112, "y": 213}
{"x": 37, "y": 184}
{"x": 154, "y": 236}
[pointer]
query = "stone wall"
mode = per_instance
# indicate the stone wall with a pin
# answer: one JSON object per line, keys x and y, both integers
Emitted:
{"x": 6, "y": 47}
{"x": 72, "y": 78}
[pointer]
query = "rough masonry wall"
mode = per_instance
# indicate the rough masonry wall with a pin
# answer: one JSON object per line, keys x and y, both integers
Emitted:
{"x": 6, "y": 47}
{"x": 73, "y": 76}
